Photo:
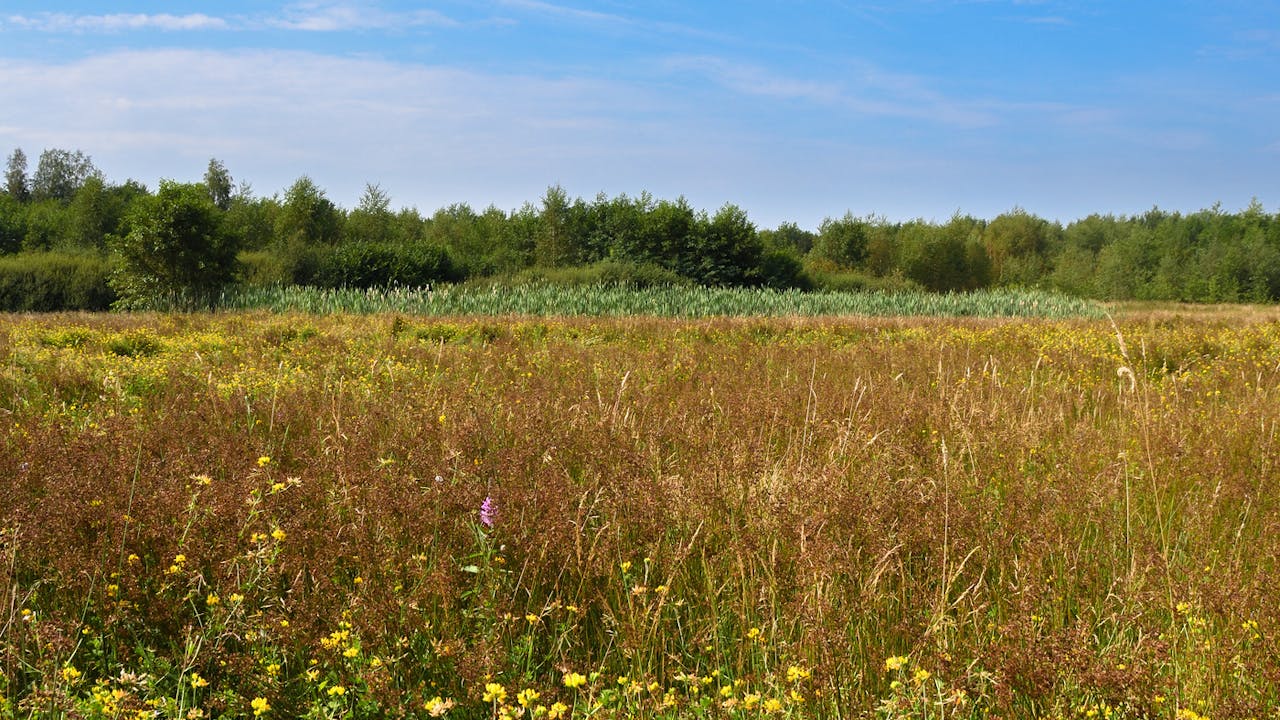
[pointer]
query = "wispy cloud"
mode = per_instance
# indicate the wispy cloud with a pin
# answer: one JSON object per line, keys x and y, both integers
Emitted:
{"x": 565, "y": 11}
{"x": 863, "y": 90}
{"x": 341, "y": 16}
{"x": 313, "y": 16}
{"x": 118, "y": 22}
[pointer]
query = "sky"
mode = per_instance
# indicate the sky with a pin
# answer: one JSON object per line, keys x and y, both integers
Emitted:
{"x": 793, "y": 110}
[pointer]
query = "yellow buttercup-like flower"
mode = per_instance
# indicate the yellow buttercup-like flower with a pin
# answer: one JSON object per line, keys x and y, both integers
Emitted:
{"x": 895, "y": 662}
{"x": 574, "y": 680}
{"x": 260, "y": 706}
{"x": 494, "y": 692}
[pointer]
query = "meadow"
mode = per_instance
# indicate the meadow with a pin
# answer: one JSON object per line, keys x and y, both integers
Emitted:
{"x": 252, "y": 514}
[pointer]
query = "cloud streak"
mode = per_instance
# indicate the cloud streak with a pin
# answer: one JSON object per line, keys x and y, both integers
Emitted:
{"x": 118, "y": 22}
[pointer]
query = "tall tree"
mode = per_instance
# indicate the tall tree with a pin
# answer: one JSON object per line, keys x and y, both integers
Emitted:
{"x": 371, "y": 220}
{"x": 307, "y": 216}
{"x": 60, "y": 173}
{"x": 218, "y": 182}
{"x": 15, "y": 176}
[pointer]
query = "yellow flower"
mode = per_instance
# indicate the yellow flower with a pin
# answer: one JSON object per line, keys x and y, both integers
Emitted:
{"x": 920, "y": 676}
{"x": 750, "y": 700}
{"x": 264, "y": 461}
{"x": 557, "y": 710}
{"x": 795, "y": 674}
{"x": 772, "y": 705}
{"x": 626, "y": 565}
{"x": 438, "y": 706}
{"x": 313, "y": 675}
{"x": 260, "y": 706}
{"x": 70, "y": 674}
{"x": 532, "y": 619}
{"x": 494, "y": 692}
{"x": 351, "y": 652}
{"x": 895, "y": 662}
{"x": 337, "y": 690}
{"x": 278, "y": 534}
{"x": 197, "y": 681}
{"x": 273, "y": 669}
{"x": 526, "y": 697}
{"x": 574, "y": 680}
{"x": 211, "y": 600}
{"x": 237, "y": 598}
{"x": 796, "y": 697}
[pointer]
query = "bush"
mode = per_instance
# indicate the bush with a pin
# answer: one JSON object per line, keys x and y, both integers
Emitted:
{"x": 370, "y": 264}
{"x": 857, "y": 281}
{"x": 52, "y": 281}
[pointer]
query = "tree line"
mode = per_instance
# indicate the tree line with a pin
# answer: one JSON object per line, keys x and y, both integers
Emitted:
{"x": 69, "y": 238}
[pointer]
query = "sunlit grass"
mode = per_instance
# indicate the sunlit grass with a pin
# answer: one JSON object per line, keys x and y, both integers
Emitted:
{"x": 296, "y": 515}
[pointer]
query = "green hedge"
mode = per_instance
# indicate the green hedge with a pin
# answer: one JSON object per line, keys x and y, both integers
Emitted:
{"x": 53, "y": 281}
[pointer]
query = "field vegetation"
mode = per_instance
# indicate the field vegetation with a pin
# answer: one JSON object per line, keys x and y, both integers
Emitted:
{"x": 399, "y": 515}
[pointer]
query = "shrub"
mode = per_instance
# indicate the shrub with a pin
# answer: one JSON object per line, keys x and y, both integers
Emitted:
{"x": 52, "y": 281}
{"x": 370, "y": 264}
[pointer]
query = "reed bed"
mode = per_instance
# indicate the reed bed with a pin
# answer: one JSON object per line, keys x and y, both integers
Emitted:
{"x": 669, "y": 302}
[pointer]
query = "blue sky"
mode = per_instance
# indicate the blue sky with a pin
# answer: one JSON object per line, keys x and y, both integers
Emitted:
{"x": 794, "y": 110}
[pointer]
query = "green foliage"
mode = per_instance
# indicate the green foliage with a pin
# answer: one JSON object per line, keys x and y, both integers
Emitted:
{"x": 372, "y": 264}
{"x": 50, "y": 281}
{"x": 843, "y": 241}
{"x": 60, "y": 173}
{"x": 307, "y": 217}
{"x": 15, "y": 176}
{"x": 175, "y": 245}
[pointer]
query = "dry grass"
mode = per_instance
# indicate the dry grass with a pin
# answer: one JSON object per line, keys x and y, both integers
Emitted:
{"x": 735, "y": 516}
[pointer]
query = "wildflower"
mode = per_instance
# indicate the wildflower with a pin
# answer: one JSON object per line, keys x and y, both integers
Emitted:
{"x": 260, "y": 706}
{"x": 796, "y": 697}
{"x": 526, "y": 697}
{"x": 920, "y": 676}
{"x": 273, "y": 669}
{"x": 133, "y": 559}
{"x": 313, "y": 675}
{"x": 337, "y": 690}
{"x": 625, "y": 565}
{"x": 487, "y": 511}
{"x": 438, "y": 706}
{"x": 750, "y": 700}
{"x": 202, "y": 479}
{"x": 264, "y": 461}
{"x": 212, "y": 599}
{"x": 197, "y": 681}
{"x": 895, "y": 662}
{"x": 772, "y": 705}
{"x": 494, "y": 692}
{"x": 795, "y": 674}
{"x": 532, "y": 619}
{"x": 753, "y": 633}
{"x": 574, "y": 680}
{"x": 70, "y": 674}
{"x": 557, "y": 711}
{"x": 351, "y": 652}
{"x": 236, "y": 598}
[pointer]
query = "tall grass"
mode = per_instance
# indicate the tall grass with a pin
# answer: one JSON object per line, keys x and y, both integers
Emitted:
{"x": 714, "y": 518}
{"x": 673, "y": 302}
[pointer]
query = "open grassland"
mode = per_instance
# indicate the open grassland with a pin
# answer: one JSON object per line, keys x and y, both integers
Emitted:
{"x": 402, "y": 516}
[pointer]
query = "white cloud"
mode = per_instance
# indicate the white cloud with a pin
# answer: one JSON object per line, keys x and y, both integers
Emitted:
{"x": 66, "y": 22}
{"x": 862, "y": 90}
{"x": 339, "y": 16}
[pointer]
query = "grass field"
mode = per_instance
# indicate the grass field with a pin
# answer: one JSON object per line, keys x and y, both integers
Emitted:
{"x": 278, "y": 516}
